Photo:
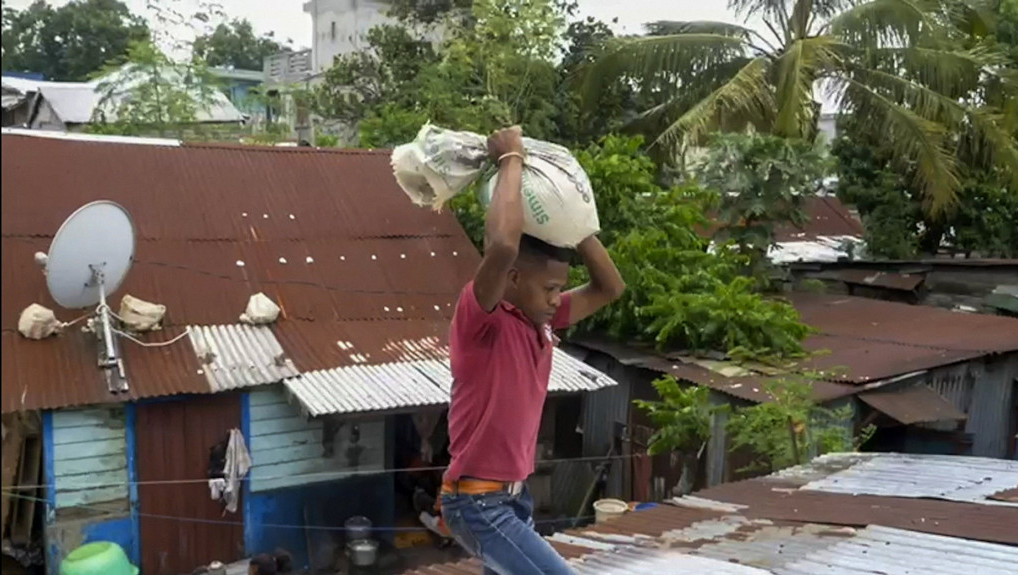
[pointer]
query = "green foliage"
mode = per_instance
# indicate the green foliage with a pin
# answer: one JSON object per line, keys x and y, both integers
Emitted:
{"x": 763, "y": 181}
{"x": 792, "y": 428}
{"x": 69, "y": 43}
{"x": 908, "y": 68}
{"x": 681, "y": 417}
{"x": 151, "y": 94}
{"x": 679, "y": 294}
{"x": 234, "y": 44}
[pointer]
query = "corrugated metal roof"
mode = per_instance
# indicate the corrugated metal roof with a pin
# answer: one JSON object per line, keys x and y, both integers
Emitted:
{"x": 327, "y": 234}
{"x": 236, "y": 356}
{"x": 827, "y": 217}
{"x": 413, "y": 382}
{"x": 892, "y": 551}
{"x": 862, "y": 341}
{"x": 877, "y": 278}
{"x": 970, "y": 479}
{"x": 362, "y": 276}
{"x": 913, "y": 404}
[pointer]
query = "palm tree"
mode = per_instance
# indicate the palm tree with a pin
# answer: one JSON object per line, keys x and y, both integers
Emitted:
{"x": 907, "y": 67}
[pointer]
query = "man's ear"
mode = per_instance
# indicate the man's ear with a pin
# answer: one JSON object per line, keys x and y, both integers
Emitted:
{"x": 514, "y": 277}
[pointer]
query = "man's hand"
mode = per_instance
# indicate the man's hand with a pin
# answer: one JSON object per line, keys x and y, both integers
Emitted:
{"x": 503, "y": 225}
{"x": 507, "y": 141}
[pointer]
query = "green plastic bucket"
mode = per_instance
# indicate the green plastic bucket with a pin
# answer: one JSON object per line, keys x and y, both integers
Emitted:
{"x": 99, "y": 558}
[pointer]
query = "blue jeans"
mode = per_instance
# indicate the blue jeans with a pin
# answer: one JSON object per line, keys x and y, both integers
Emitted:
{"x": 498, "y": 528}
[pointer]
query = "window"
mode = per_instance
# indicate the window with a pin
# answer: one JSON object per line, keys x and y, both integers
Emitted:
{"x": 332, "y": 31}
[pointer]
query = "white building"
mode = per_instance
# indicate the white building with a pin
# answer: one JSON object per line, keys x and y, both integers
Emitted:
{"x": 341, "y": 26}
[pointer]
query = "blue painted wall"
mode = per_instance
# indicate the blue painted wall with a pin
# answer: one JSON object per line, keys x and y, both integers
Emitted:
{"x": 293, "y": 495}
{"x": 82, "y": 448}
{"x": 286, "y": 448}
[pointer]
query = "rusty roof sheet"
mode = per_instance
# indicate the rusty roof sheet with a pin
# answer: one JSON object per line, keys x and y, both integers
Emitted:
{"x": 1010, "y": 495}
{"x": 877, "y": 278}
{"x": 327, "y": 234}
{"x": 365, "y": 280}
{"x": 827, "y": 217}
{"x": 776, "y": 500}
{"x": 861, "y": 341}
{"x": 913, "y": 404}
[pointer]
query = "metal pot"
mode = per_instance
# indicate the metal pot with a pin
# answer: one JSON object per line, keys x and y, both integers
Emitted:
{"x": 357, "y": 528}
{"x": 363, "y": 553}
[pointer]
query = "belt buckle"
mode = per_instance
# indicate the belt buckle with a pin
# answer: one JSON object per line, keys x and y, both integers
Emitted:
{"x": 515, "y": 488}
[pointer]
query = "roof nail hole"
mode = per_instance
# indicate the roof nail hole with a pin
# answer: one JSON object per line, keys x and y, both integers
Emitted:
{"x": 265, "y": 216}
{"x": 432, "y": 254}
{"x": 240, "y": 263}
{"x": 455, "y": 254}
{"x": 310, "y": 260}
{"x": 282, "y": 260}
{"x": 386, "y": 308}
{"x": 243, "y": 214}
{"x": 293, "y": 217}
{"x": 374, "y": 257}
{"x": 343, "y": 258}
{"x": 402, "y": 256}
{"x": 437, "y": 308}
{"x": 399, "y": 309}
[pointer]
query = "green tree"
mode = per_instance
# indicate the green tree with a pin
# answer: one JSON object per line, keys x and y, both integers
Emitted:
{"x": 762, "y": 181}
{"x": 235, "y": 44}
{"x": 792, "y": 428}
{"x": 681, "y": 417}
{"x": 900, "y": 64}
{"x": 69, "y": 43}
{"x": 680, "y": 295}
{"x": 883, "y": 189}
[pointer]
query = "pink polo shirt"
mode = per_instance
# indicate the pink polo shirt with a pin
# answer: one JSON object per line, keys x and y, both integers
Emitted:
{"x": 501, "y": 364}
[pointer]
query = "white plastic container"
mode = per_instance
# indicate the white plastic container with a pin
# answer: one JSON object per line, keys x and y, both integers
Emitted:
{"x": 606, "y": 509}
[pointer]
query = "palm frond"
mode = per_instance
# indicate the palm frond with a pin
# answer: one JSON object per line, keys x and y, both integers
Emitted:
{"x": 748, "y": 93}
{"x": 948, "y": 70}
{"x": 887, "y": 23}
{"x": 678, "y": 58}
{"x": 998, "y": 145}
{"x": 912, "y": 136}
{"x": 798, "y": 69}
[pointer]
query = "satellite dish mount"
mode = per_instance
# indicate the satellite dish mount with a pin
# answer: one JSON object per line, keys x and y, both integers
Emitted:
{"x": 88, "y": 260}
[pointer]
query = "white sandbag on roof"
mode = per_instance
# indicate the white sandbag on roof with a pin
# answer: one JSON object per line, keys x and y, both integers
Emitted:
{"x": 558, "y": 202}
{"x": 38, "y": 322}
{"x": 260, "y": 310}
{"x": 139, "y": 315}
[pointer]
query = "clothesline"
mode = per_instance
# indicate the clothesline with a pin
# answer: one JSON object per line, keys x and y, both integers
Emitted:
{"x": 326, "y": 475}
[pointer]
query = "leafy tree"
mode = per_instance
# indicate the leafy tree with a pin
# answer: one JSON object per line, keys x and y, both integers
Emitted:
{"x": 235, "y": 44}
{"x": 899, "y": 64}
{"x": 763, "y": 181}
{"x": 149, "y": 92}
{"x": 884, "y": 190}
{"x": 69, "y": 43}
{"x": 792, "y": 428}
{"x": 681, "y": 417}
{"x": 680, "y": 295}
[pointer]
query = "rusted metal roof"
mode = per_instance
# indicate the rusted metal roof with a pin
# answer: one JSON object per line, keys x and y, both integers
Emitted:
{"x": 913, "y": 404}
{"x": 881, "y": 279}
{"x": 774, "y": 527}
{"x": 327, "y": 234}
{"x": 362, "y": 276}
{"x": 827, "y": 216}
{"x": 860, "y": 340}
{"x": 1010, "y": 495}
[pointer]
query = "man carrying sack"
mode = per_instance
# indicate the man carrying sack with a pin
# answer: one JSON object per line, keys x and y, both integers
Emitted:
{"x": 501, "y": 342}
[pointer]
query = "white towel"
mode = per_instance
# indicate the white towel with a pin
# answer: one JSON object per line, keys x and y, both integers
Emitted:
{"x": 238, "y": 463}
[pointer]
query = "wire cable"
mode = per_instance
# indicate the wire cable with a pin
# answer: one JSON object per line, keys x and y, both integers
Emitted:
{"x": 182, "y": 519}
{"x": 327, "y": 475}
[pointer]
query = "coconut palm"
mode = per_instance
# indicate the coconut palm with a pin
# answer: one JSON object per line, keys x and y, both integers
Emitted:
{"x": 908, "y": 67}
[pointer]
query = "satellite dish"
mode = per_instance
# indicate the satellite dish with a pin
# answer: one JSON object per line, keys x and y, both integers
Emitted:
{"x": 87, "y": 261}
{"x": 90, "y": 255}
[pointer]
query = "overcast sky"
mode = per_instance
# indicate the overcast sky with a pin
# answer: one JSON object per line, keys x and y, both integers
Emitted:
{"x": 287, "y": 19}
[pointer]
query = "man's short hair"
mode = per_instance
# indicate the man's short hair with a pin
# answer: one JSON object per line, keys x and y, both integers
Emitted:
{"x": 534, "y": 249}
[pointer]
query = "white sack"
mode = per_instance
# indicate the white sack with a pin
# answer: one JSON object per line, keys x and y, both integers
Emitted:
{"x": 558, "y": 202}
{"x": 260, "y": 310}
{"x": 38, "y": 322}
{"x": 139, "y": 315}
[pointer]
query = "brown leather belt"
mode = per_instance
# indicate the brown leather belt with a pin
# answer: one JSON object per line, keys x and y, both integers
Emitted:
{"x": 467, "y": 486}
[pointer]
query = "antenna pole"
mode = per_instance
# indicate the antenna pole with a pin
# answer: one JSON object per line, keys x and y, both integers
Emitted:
{"x": 111, "y": 352}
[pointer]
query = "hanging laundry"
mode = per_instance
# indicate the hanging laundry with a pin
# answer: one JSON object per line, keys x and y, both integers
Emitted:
{"x": 227, "y": 469}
